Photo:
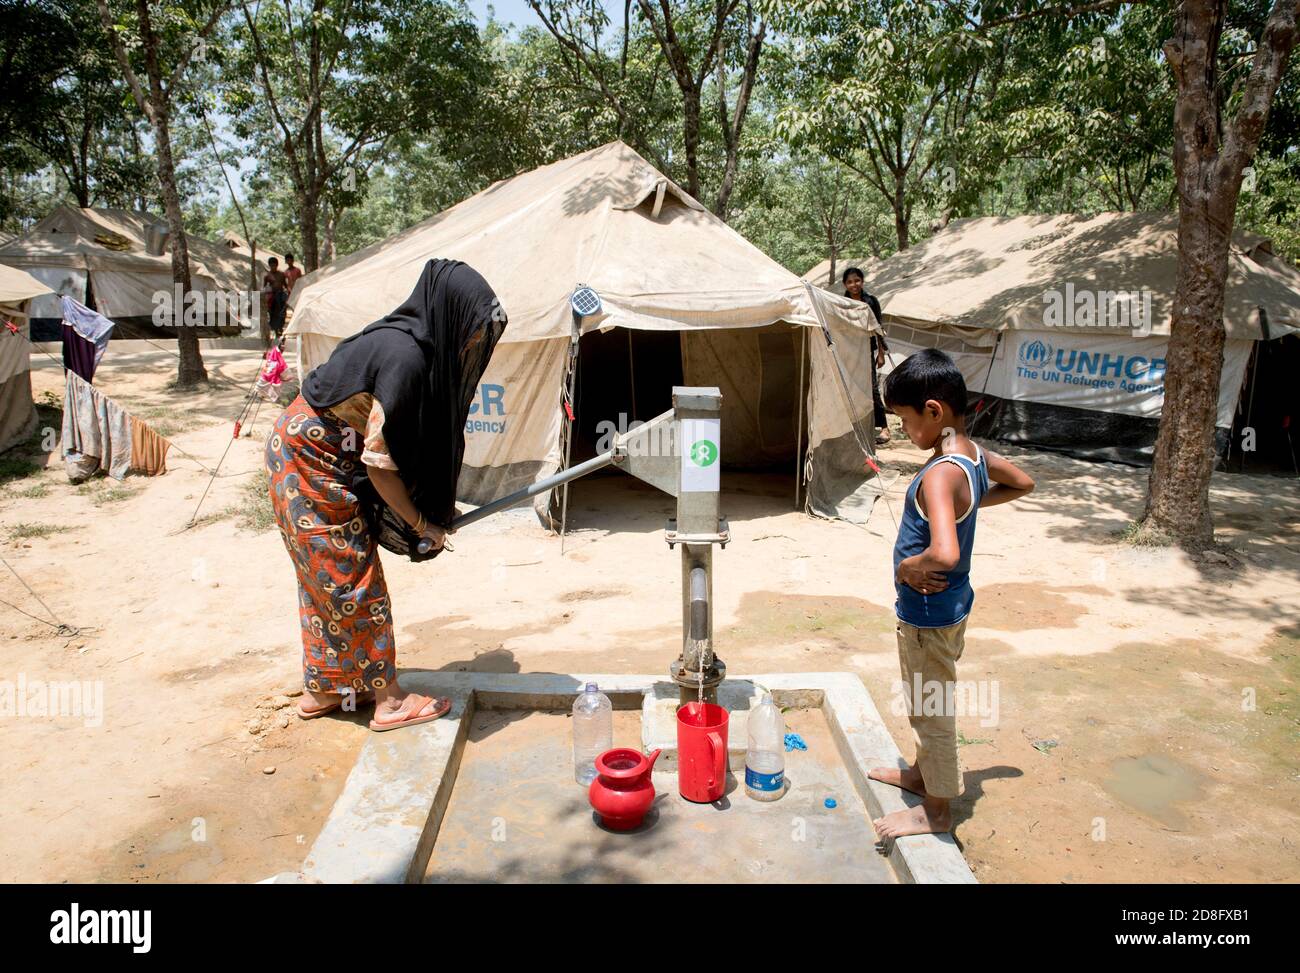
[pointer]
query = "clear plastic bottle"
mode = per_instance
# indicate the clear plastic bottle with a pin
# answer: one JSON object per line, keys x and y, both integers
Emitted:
{"x": 593, "y": 732}
{"x": 765, "y": 758}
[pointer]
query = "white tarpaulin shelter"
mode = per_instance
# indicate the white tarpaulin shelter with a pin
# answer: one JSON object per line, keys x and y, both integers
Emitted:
{"x": 102, "y": 258}
{"x": 17, "y": 410}
{"x": 665, "y": 269}
{"x": 1060, "y": 324}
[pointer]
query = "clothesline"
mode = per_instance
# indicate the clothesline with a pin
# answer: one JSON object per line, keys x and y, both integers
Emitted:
{"x": 14, "y": 331}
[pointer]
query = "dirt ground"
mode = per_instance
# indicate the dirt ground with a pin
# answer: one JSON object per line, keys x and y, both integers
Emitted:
{"x": 1147, "y": 706}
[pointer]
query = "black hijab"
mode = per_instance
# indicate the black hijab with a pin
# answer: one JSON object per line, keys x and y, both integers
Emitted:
{"x": 423, "y": 362}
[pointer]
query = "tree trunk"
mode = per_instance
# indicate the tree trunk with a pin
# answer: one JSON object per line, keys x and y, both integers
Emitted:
{"x": 1208, "y": 173}
{"x": 1178, "y": 498}
{"x": 902, "y": 227}
{"x": 691, "y": 141}
{"x": 189, "y": 370}
{"x": 331, "y": 227}
{"x": 309, "y": 213}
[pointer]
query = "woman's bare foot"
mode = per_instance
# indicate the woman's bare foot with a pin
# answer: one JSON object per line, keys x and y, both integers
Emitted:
{"x": 931, "y": 816}
{"x": 908, "y": 778}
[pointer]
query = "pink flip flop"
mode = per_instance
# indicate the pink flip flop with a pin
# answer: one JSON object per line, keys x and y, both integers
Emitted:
{"x": 440, "y": 710}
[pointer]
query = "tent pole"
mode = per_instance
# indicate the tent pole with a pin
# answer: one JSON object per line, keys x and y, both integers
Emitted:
{"x": 571, "y": 415}
{"x": 1250, "y": 408}
{"x": 798, "y": 449}
{"x": 992, "y": 358}
{"x": 631, "y": 371}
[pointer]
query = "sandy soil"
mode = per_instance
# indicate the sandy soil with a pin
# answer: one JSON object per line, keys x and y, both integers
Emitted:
{"x": 1147, "y": 705}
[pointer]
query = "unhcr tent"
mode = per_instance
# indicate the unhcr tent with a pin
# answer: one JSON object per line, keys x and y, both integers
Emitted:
{"x": 118, "y": 263}
{"x": 686, "y": 300}
{"x": 17, "y": 410}
{"x": 1060, "y": 324}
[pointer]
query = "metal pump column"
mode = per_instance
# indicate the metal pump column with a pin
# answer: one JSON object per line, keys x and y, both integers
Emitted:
{"x": 679, "y": 452}
{"x": 698, "y": 527}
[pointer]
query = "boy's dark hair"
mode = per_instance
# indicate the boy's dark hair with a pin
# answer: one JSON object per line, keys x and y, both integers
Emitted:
{"x": 289, "y": 257}
{"x": 929, "y": 374}
{"x": 273, "y": 262}
{"x": 844, "y": 277}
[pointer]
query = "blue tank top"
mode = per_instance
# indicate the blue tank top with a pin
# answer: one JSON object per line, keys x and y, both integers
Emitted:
{"x": 951, "y": 605}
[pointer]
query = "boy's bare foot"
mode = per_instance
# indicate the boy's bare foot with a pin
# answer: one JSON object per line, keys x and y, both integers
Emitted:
{"x": 931, "y": 816}
{"x": 908, "y": 778}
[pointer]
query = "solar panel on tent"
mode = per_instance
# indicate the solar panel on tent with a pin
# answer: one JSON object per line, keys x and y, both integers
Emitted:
{"x": 585, "y": 301}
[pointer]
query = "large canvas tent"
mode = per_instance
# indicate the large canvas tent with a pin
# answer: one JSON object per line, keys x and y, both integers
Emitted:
{"x": 17, "y": 410}
{"x": 686, "y": 300}
{"x": 1060, "y": 324}
{"x": 118, "y": 262}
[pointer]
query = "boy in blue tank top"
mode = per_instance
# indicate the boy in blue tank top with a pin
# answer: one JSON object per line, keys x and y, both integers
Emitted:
{"x": 932, "y": 576}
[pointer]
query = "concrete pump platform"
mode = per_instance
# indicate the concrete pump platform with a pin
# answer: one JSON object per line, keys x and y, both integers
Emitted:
{"x": 486, "y": 794}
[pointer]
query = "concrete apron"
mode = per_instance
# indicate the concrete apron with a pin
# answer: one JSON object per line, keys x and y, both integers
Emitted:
{"x": 383, "y": 826}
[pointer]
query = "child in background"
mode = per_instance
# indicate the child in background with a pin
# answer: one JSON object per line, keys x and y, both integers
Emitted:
{"x": 932, "y": 575}
{"x": 275, "y": 295}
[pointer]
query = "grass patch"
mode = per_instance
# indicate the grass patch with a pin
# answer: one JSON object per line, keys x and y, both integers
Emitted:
{"x": 102, "y": 490}
{"x": 254, "y": 511}
{"x": 164, "y": 419}
{"x": 28, "y": 459}
{"x": 37, "y": 492}
{"x": 1139, "y": 534}
{"x": 211, "y": 518}
{"x": 21, "y": 532}
{"x": 16, "y": 466}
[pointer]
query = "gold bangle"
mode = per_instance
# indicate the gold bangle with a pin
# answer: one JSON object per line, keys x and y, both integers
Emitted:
{"x": 420, "y": 525}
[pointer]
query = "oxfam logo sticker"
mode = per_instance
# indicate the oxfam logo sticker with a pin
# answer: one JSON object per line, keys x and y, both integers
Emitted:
{"x": 704, "y": 452}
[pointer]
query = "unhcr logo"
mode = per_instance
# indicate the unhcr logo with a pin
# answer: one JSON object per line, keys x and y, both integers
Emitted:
{"x": 1035, "y": 354}
{"x": 1085, "y": 308}
{"x": 1095, "y": 369}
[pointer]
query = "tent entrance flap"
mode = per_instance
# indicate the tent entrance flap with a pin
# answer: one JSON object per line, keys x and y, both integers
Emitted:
{"x": 1268, "y": 408}
{"x": 758, "y": 372}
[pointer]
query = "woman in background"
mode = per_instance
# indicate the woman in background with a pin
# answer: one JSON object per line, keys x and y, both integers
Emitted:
{"x": 853, "y": 281}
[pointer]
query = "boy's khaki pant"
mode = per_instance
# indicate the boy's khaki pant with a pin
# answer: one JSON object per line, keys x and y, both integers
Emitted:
{"x": 932, "y": 654}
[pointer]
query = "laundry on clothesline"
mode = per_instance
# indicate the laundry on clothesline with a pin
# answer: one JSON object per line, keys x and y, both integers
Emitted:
{"x": 85, "y": 336}
{"x": 99, "y": 434}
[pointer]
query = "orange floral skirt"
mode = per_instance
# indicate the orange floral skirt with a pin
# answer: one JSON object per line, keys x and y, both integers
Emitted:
{"x": 347, "y": 627}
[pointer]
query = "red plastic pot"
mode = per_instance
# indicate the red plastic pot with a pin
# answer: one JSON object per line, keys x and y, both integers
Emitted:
{"x": 622, "y": 792}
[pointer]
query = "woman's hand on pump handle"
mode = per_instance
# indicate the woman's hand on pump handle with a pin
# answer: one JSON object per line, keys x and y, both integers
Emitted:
{"x": 437, "y": 535}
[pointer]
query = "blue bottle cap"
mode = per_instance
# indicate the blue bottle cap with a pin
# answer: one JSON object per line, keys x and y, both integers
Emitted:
{"x": 830, "y": 802}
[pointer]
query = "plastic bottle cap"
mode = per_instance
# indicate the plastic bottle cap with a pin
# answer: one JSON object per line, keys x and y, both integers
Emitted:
{"x": 591, "y": 688}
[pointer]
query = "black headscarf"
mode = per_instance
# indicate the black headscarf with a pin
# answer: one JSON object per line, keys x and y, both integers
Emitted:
{"x": 423, "y": 363}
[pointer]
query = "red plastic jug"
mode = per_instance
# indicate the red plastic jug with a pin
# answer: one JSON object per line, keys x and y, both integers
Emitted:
{"x": 702, "y": 752}
{"x": 623, "y": 792}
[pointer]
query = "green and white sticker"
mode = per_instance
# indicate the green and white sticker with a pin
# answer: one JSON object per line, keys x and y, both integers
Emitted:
{"x": 701, "y": 455}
